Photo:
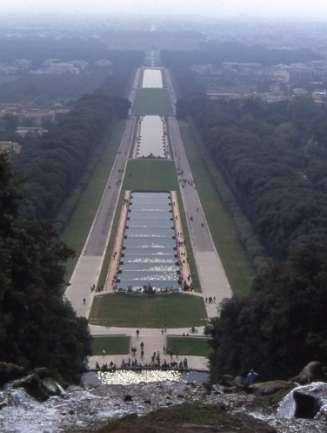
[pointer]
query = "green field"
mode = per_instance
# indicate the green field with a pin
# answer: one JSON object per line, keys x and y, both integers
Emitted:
{"x": 171, "y": 311}
{"x": 110, "y": 345}
{"x": 79, "y": 225}
{"x": 192, "y": 346}
{"x": 152, "y": 101}
{"x": 150, "y": 175}
{"x": 236, "y": 263}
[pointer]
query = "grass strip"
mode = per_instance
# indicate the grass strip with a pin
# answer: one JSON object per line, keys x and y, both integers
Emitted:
{"x": 191, "y": 346}
{"x": 113, "y": 345}
{"x": 150, "y": 175}
{"x": 152, "y": 101}
{"x": 235, "y": 261}
{"x": 171, "y": 311}
{"x": 78, "y": 227}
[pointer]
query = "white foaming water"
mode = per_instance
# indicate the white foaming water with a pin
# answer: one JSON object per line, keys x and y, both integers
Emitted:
{"x": 82, "y": 409}
{"x": 287, "y": 406}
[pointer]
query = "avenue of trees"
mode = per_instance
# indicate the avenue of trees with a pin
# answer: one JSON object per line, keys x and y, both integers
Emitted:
{"x": 52, "y": 165}
{"x": 274, "y": 158}
{"x": 37, "y": 327}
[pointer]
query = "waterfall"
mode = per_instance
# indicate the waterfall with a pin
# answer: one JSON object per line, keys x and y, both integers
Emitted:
{"x": 287, "y": 406}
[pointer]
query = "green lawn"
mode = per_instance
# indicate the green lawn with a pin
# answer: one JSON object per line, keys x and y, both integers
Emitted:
{"x": 171, "y": 311}
{"x": 152, "y": 101}
{"x": 150, "y": 174}
{"x": 236, "y": 263}
{"x": 78, "y": 227}
{"x": 192, "y": 346}
{"x": 110, "y": 345}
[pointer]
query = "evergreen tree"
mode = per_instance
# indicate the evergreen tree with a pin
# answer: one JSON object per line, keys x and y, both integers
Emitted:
{"x": 37, "y": 326}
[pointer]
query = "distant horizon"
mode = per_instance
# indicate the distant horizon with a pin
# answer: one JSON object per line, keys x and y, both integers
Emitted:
{"x": 292, "y": 10}
{"x": 196, "y": 17}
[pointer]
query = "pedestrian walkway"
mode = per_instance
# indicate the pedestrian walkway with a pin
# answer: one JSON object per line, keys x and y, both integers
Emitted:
{"x": 150, "y": 341}
{"x": 199, "y": 363}
{"x": 212, "y": 276}
{"x": 85, "y": 277}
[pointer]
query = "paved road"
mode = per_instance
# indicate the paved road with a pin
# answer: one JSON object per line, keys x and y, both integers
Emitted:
{"x": 198, "y": 363}
{"x": 213, "y": 279}
{"x": 96, "y": 242}
{"x": 198, "y": 228}
{"x": 170, "y": 87}
{"x": 136, "y": 85}
{"x": 89, "y": 265}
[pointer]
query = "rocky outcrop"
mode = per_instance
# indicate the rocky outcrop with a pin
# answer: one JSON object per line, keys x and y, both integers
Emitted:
{"x": 9, "y": 372}
{"x": 305, "y": 402}
{"x": 306, "y": 405}
{"x": 312, "y": 372}
{"x": 310, "y": 400}
{"x": 39, "y": 384}
{"x": 271, "y": 387}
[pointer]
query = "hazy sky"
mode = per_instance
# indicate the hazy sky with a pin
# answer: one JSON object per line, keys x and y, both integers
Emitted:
{"x": 261, "y": 8}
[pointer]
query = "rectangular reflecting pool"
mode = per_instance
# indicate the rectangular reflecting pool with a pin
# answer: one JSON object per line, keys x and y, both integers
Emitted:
{"x": 149, "y": 259}
{"x": 152, "y": 79}
{"x": 151, "y": 138}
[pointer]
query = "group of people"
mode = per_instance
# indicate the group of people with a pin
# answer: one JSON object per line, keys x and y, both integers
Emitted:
{"x": 210, "y": 300}
{"x": 133, "y": 364}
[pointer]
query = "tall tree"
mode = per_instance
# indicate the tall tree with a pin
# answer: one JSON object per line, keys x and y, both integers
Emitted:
{"x": 37, "y": 326}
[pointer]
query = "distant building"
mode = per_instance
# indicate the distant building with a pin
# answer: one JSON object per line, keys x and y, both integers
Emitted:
{"x": 10, "y": 147}
{"x": 22, "y": 131}
{"x": 300, "y": 92}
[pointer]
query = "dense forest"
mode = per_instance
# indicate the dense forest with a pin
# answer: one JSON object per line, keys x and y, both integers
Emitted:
{"x": 52, "y": 165}
{"x": 274, "y": 158}
{"x": 282, "y": 325}
{"x": 37, "y": 327}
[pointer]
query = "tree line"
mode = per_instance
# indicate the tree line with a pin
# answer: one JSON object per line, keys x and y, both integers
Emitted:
{"x": 51, "y": 166}
{"x": 37, "y": 327}
{"x": 274, "y": 158}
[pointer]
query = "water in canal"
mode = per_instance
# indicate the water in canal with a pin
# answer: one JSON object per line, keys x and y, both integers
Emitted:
{"x": 152, "y": 78}
{"x": 151, "y": 141}
{"x": 149, "y": 254}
